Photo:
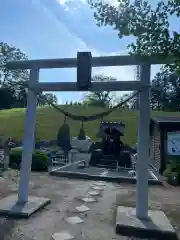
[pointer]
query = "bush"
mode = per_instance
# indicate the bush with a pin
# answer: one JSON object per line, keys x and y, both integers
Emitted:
{"x": 175, "y": 164}
{"x": 167, "y": 171}
{"x": 172, "y": 171}
{"x": 39, "y": 159}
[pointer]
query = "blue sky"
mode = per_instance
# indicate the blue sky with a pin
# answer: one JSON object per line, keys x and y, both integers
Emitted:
{"x": 55, "y": 29}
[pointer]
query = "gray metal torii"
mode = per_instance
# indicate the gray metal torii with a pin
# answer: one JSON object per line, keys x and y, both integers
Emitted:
{"x": 84, "y": 62}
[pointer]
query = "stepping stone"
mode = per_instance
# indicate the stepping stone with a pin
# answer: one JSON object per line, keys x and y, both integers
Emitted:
{"x": 100, "y": 188}
{"x": 14, "y": 189}
{"x": 88, "y": 199}
{"x": 2, "y": 179}
{"x": 62, "y": 236}
{"x": 100, "y": 184}
{"x": 82, "y": 208}
{"x": 74, "y": 220}
{"x": 105, "y": 173}
{"x": 94, "y": 193}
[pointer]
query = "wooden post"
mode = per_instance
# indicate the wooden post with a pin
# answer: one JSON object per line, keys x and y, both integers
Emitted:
{"x": 6, "y": 154}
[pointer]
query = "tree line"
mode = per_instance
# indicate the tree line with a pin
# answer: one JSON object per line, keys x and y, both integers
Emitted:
{"x": 165, "y": 90}
{"x": 151, "y": 29}
{"x": 12, "y": 92}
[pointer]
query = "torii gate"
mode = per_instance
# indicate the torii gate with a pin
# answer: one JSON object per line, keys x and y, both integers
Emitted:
{"x": 84, "y": 62}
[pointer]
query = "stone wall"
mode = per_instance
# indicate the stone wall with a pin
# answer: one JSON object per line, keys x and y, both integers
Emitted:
{"x": 155, "y": 154}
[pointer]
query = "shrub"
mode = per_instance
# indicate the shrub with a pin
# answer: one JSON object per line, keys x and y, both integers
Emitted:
{"x": 175, "y": 164}
{"x": 16, "y": 149}
{"x": 39, "y": 159}
{"x": 167, "y": 171}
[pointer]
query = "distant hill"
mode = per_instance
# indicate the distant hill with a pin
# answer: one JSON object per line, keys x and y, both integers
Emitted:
{"x": 49, "y": 121}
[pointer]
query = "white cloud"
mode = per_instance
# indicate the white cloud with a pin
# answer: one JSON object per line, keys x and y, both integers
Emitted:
{"x": 121, "y": 73}
{"x": 77, "y": 2}
{"x": 69, "y": 45}
{"x": 70, "y": 50}
{"x": 71, "y": 5}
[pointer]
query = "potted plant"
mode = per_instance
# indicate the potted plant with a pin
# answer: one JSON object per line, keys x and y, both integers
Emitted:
{"x": 167, "y": 171}
{"x": 173, "y": 178}
{"x": 171, "y": 174}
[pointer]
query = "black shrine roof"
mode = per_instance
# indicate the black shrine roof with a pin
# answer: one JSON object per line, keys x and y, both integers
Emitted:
{"x": 168, "y": 119}
{"x": 121, "y": 123}
{"x": 114, "y": 126}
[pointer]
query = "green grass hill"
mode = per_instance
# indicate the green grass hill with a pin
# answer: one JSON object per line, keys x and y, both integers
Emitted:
{"x": 49, "y": 121}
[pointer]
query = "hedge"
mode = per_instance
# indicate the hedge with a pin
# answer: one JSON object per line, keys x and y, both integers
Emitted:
{"x": 39, "y": 159}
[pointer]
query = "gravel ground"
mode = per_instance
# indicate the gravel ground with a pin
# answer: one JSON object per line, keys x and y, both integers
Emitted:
{"x": 65, "y": 195}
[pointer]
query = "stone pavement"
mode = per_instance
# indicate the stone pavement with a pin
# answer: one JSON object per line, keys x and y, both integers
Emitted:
{"x": 83, "y": 210}
{"x": 79, "y": 210}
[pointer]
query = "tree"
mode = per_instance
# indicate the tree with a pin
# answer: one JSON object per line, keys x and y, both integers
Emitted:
{"x": 46, "y": 99}
{"x": 122, "y": 98}
{"x": 13, "y": 93}
{"x": 101, "y": 99}
{"x": 165, "y": 91}
{"x": 150, "y": 26}
{"x": 174, "y": 93}
{"x": 10, "y": 53}
{"x": 160, "y": 91}
{"x": 7, "y": 98}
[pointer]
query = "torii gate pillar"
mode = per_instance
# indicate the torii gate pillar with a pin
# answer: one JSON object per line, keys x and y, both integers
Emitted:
{"x": 143, "y": 146}
{"x": 28, "y": 141}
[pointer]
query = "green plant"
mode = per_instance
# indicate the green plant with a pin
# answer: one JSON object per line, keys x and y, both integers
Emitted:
{"x": 39, "y": 159}
{"x": 16, "y": 149}
{"x": 15, "y": 157}
{"x": 173, "y": 178}
{"x": 167, "y": 171}
{"x": 175, "y": 165}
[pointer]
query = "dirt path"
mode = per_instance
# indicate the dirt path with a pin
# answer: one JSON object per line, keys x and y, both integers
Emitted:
{"x": 65, "y": 195}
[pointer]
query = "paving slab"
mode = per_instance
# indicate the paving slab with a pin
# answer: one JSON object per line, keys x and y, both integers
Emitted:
{"x": 82, "y": 208}
{"x": 64, "y": 235}
{"x": 88, "y": 200}
{"x": 74, "y": 220}
{"x": 10, "y": 207}
{"x": 157, "y": 226}
{"x": 100, "y": 188}
{"x": 94, "y": 193}
{"x": 100, "y": 183}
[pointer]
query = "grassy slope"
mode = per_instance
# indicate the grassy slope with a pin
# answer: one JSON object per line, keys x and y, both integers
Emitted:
{"x": 49, "y": 121}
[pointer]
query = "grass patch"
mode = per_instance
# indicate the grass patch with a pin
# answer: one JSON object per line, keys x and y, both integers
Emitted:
{"x": 49, "y": 121}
